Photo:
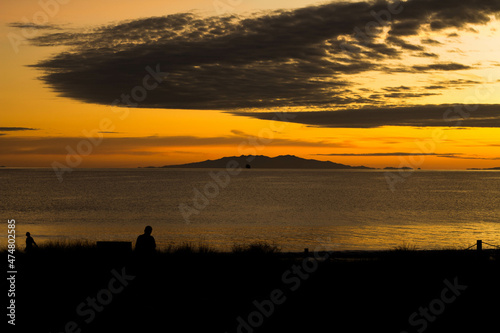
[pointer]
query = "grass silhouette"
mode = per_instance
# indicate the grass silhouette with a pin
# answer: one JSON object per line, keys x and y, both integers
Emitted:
{"x": 197, "y": 288}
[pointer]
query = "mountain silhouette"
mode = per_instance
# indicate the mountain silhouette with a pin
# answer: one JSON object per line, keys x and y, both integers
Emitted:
{"x": 265, "y": 162}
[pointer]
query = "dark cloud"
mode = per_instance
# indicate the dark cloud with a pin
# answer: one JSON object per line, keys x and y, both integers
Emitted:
{"x": 404, "y": 92}
{"x": 30, "y": 25}
{"x": 408, "y": 95}
{"x": 407, "y": 27}
{"x": 396, "y": 89}
{"x": 393, "y": 154}
{"x": 441, "y": 67}
{"x": 427, "y": 55}
{"x": 430, "y": 41}
{"x": 461, "y": 82}
{"x": 15, "y": 129}
{"x": 458, "y": 83}
{"x": 283, "y": 58}
{"x": 472, "y": 157}
{"x": 403, "y": 44}
{"x": 415, "y": 116}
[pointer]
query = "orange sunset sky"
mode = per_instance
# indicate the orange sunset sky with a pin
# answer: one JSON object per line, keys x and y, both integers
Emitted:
{"x": 357, "y": 88}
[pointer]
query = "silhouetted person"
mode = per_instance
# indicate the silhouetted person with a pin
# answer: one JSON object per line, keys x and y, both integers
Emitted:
{"x": 145, "y": 243}
{"x": 30, "y": 242}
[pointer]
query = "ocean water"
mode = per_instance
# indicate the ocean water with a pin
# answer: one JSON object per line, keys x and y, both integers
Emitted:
{"x": 294, "y": 209}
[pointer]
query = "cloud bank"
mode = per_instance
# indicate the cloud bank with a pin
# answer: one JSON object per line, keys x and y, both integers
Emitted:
{"x": 144, "y": 145}
{"x": 458, "y": 116}
{"x": 286, "y": 58}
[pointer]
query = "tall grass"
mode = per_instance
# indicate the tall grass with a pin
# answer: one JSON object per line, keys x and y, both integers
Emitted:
{"x": 189, "y": 248}
{"x": 257, "y": 248}
{"x": 183, "y": 248}
{"x": 66, "y": 245}
{"x": 406, "y": 247}
{"x": 59, "y": 245}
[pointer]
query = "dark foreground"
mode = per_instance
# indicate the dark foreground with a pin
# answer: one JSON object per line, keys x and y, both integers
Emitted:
{"x": 86, "y": 290}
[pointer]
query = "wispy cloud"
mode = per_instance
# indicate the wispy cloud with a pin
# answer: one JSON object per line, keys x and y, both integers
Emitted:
{"x": 442, "y": 155}
{"x": 31, "y": 25}
{"x": 15, "y": 129}
{"x": 462, "y": 157}
{"x": 441, "y": 67}
{"x": 394, "y": 154}
{"x": 144, "y": 145}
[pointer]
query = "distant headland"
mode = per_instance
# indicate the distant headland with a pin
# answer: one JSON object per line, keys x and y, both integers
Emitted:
{"x": 497, "y": 168}
{"x": 265, "y": 162}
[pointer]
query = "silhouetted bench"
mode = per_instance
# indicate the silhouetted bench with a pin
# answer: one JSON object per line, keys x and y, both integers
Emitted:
{"x": 114, "y": 247}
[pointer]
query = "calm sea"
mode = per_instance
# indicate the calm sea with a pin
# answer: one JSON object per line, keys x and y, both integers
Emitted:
{"x": 295, "y": 209}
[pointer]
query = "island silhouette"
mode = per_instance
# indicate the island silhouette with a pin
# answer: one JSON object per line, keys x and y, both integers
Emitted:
{"x": 265, "y": 162}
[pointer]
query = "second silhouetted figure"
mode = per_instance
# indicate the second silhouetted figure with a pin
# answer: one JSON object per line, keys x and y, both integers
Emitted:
{"x": 146, "y": 243}
{"x": 30, "y": 243}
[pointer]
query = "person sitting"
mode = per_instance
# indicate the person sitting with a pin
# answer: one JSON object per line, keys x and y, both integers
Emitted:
{"x": 145, "y": 243}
